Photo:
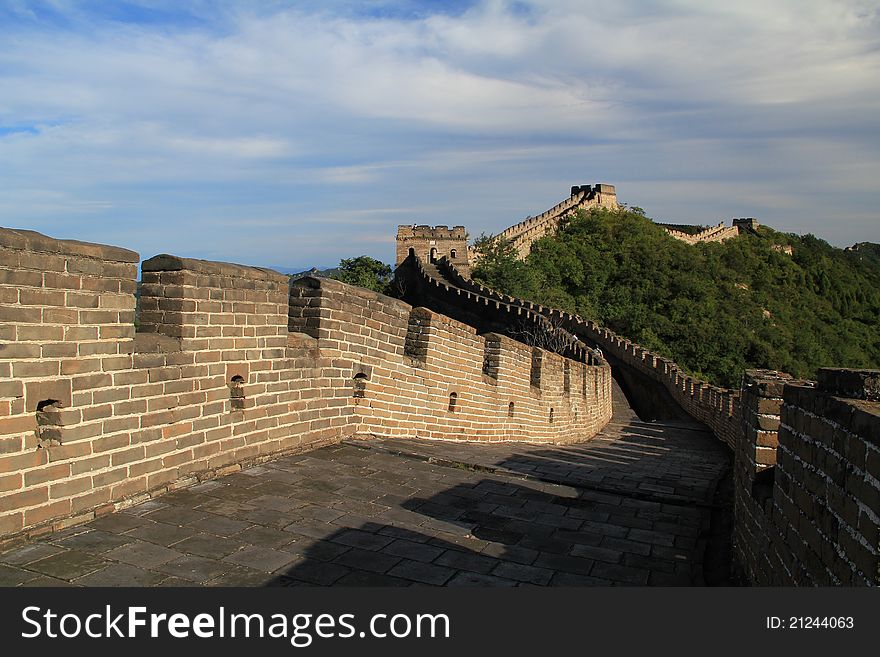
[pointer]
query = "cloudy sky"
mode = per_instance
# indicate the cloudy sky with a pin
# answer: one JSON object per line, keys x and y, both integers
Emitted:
{"x": 295, "y": 133}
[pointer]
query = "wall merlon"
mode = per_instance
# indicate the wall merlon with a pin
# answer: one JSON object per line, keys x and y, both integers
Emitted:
{"x": 213, "y": 271}
{"x": 171, "y": 386}
{"x": 853, "y": 384}
{"x": 28, "y": 240}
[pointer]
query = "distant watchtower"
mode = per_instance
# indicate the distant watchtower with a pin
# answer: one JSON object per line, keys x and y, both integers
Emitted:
{"x": 432, "y": 243}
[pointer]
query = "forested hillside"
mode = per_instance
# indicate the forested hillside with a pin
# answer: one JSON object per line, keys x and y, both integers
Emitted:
{"x": 716, "y": 309}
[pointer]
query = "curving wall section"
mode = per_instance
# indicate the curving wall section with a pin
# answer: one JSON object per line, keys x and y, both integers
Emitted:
{"x": 231, "y": 365}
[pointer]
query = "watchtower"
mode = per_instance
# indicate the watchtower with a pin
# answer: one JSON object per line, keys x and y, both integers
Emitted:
{"x": 430, "y": 243}
{"x": 746, "y": 223}
{"x": 601, "y": 195}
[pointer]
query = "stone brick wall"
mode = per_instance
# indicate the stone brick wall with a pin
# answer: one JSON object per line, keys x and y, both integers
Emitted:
{"x": 525, "y": 232}
{"x": 718, "y": 408}
{"x": 415, "y": 359}
{"x": 67, "y": 326}
{"x": 807, "y": 455}
{"x": 813, "y": 518}
{"x": 232, "y": 365}
{"x": 717, "y": 233}
{"x": 431, "y": 243}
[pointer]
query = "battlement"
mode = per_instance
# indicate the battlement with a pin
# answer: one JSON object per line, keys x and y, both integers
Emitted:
{"x": 232, "y": 365}
{"x": 718, "y": 233}
{"x": 430, "y": 243}
{"x": 431, "y": 232}
{"x": 807, "y": 459}
{"x": 523, "y": 234}
{"x": 746, "y": 223}
{"x": 587, "y": 190}
{"x": 806, "y": 479}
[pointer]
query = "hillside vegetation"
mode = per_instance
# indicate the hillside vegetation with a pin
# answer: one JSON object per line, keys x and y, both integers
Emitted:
{"x": 716, "y": 309}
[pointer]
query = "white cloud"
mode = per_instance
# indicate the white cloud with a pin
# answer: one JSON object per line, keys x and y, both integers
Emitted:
{"x": 480, "y": 117}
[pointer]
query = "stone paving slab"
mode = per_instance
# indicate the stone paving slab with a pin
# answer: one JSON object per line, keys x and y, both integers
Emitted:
{"x": 630, "y": 507}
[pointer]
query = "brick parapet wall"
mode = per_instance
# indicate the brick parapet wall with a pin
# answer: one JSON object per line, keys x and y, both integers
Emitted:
{"x": 455, "y": 295}
{"x": 760, "y": 549}
{"x": 442, "y": 240}
{"x": 524, "y": 233}
{"x": 807, "y": 464}
{"x": 806, "y": 458}
{"x": 815, "y": 519}
{"x": 230, "y": 367}
{"x": 717, "y": 233}
{"x": 214, "y": 306}
{"x": 761, "y": 404}
{"x": 718, "y": 408}
{"x": 414, "y": 359}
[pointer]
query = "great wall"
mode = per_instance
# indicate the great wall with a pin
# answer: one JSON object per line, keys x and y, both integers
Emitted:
{"x": 583, "y": 197}
{"x": 232, "y": 367}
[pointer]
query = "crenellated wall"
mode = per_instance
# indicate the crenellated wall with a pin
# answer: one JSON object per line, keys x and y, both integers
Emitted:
{"x": 231, "y": 365}
{"x": 718, "y": 408}
{"x": 808, "y": 507}
{"x": 413, "y": 359}
{"x": 431, "y": 243}
{"x": 522, "y": 235}
{"x": 718, "y": 233}
{"x": 806, "y": 454}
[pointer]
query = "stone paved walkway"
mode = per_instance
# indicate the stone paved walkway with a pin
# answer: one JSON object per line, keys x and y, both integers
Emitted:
{"x": 631, "y": 507}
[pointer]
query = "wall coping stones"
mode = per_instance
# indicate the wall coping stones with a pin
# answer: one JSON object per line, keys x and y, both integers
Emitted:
{"x": 29, "y": 240}
{"x": 853, "y": 384}
{"x": 314, "y": 283}
{"x": 165, "y": 262}
{"x": 766, "y": 383}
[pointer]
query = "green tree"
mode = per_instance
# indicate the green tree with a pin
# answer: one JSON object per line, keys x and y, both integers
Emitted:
{"x": 364, "y": 271}
{"x": 499, "y": 267}
{"x": 716, "y": 309}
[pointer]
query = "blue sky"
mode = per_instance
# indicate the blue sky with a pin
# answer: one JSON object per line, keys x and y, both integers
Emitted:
{"x": 297, "y": 133}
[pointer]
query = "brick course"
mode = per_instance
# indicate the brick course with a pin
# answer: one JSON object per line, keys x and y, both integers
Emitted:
{"x": 806, "y": 485}
{"x": 139, "y": 413}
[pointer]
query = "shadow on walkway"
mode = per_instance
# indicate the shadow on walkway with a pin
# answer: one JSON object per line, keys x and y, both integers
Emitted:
{"x": 635, "y": 506}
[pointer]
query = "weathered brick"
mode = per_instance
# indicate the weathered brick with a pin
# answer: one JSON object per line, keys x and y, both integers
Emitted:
{"x": 24, "y": 498}
{"x": 20, "y": 278}
{"x": 127, "y": 456}
{"x": 70, "y": 488}
{"x": 47, "y": 512}
{"x": 39, "y": 297}
{"x": 90, "y": 464}
{"x": 59, "y": 350}
{"x": 20, "y": 424}
{"x": 17, "y": 462}
{"x": 92, "y": 381}
{"x": 62, "y": 281}
{"x": 81, "y": 300}
{"x": 30, "y": 369}
{"x": 10, "y": 482}
{"x": 128, "y": 488}
{"x": 11, "y": 523}
{"x": 69, "y": 450}
{"x": 49, "y": 473}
